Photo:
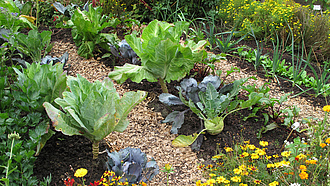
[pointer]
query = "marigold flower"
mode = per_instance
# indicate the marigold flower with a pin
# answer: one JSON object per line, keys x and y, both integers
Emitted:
{"x": 220, "y": 179}
{"x": 286, "y": 153}
{"x": 326, "y": 108}
{"x": 303, "y": 167}
{"x": 245, "y": 154}
{"x": 80, "y": 173}
{"x": 323, "y": 145}
{"x": 252, "y": 147}
{"x": 311, "y": 162}
{"x": 236, "y": 179}
{"x": 243, "y": 184}
{"x": 303, "y": 175}
{"x": 237, "y": 171}
{"x": 274, "y": 183}
{"x": 212, "y": 175}
{"x": 210, "y": 182}
{"x": 228, "y": 149}
{"x": 327, "y": 140}
{"x": 257, "y": 181}
{"x": 199, "y": 183}
{"x": 263, "y": 143}
{"x": 254, "y": 156}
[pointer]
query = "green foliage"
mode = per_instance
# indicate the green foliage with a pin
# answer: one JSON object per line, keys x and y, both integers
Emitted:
{"x": 46, "y": 13}
{"x": 28, "y": 125}
{"x": 11, "y": 18}
{"x": 93, "y": 110}
{"x": 214, "y": 107}
{"x": 86, "y": 28}
{"x": 34, "y": 43}
{"x": 162, "y": 56}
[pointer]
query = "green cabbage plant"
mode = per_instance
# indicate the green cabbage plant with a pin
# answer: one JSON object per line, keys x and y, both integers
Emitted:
{"x": 214, "y": 107}
{"x": 163, "y": 57}
{"x": 93, "y": 110}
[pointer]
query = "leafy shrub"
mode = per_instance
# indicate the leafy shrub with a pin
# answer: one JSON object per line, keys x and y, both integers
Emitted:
{"x": 264, "y": 18}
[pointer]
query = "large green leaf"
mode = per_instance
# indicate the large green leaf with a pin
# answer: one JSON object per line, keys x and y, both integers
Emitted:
{"x": 184, "y": 141}
{"x": 134, "y": 72}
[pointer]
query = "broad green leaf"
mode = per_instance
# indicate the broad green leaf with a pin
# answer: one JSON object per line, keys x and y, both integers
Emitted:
{"x": 125, "y": 105}
{"x": 134, "y": 72}
{"x": 185, "y": 141}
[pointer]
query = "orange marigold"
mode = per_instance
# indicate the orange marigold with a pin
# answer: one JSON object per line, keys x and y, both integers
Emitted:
{"x": 326, "y": 108}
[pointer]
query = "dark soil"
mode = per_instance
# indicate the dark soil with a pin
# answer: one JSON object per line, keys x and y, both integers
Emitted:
{"x": 64, "y": 154}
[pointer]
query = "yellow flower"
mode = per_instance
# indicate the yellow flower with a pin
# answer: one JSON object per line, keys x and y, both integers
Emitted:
{"x": 302, "y": 167}
{"x": 327, "y": 140}
{"x": 323, "y": 145}
{"x": 228, "y": 149}
{"x": 326, "y": 108}
{"x": 220, "y": 179}
{"x": 199, "y": 183}
{"x": 212, "y": 175}
{"x": 257, "y": 181}
{"x": 260, "y": 152}
{"x": 254, "y": 156}
{"x": 263, "y": 143}
{"x": 168, "y": 167}
{"x": 274, "y": 183}
{"x": 303, "y": 175}
{"x": 245, "y": 154}
{"x": 252, "y": 147}
{"x": 236, "y": 179}
{"x": 80, "y": 173}
{"x": 311, "y": 162}
{"x": 243, "y": 184}
{"x": 237, "y": 171}
{"x": 210, "y": 182}
{"x": 286, "y": 153}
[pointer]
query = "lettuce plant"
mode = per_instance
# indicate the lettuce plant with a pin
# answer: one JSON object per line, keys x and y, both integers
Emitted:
{"x": 214, "y": 106}
{"x": 131, "y": 165}
{"x": 86, "y": 28}
{"x": 163, "y": 57}
{"x": 93, "y": 110}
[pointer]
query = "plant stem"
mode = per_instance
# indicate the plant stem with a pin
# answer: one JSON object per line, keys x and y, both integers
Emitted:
{"x": 95, "y": 147}
{"x": 163, "y": 85}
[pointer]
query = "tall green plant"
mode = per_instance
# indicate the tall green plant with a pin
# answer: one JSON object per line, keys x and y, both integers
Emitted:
{"x": 86, "y": 28}
{"x": 93, "y": 110}
{"x": 163, "y": 57}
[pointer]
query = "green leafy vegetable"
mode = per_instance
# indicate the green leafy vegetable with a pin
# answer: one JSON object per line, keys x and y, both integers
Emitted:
{"x": 33, "y": 43}
{"x": 86, "y": 28}
{"x": 162, "y": 56}
{"x": 93, "y": 110}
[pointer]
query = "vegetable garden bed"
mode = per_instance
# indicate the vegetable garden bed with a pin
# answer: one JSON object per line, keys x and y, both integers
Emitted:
{"x": 63, "y": 154}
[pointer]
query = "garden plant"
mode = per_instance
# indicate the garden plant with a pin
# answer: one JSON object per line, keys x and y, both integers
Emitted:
{"x": 179, "y": 50}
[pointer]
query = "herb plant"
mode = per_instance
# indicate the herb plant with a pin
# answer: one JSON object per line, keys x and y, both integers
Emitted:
{"x": 132, "y": 165}
{"x": 86, "y": 28}
{"x": 162, "y": 56}
{"x": 93, "y": 110}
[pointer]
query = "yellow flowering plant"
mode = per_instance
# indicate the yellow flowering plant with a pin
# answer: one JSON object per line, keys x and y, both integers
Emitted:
{"x": 247, "y": 164}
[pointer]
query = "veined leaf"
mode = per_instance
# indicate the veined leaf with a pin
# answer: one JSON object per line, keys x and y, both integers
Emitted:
{"x": 185, "y": 141}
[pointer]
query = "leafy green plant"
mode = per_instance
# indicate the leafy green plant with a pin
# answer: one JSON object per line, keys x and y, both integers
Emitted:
{"x": 257, "y": 52}
{"x": 11, "y": 17}
{"x": 227, "y": 45}
{"x": 93, "y": 110}
{"x": 214, "y": 107}
{"x": 319, "y": 82}
{"x": 131, "y": 165}
{"x": 162, "y": 56}
{"x": 86, "y": 28}
{"x": 34, "y": 43}
{"x": 40, "y": 83}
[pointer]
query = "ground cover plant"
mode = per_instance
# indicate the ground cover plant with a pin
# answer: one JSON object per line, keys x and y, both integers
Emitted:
{"x": 24, "y": 121}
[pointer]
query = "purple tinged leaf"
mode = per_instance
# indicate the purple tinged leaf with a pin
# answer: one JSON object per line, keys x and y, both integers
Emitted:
{"x": 169, "y": 99}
